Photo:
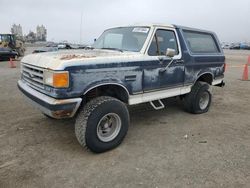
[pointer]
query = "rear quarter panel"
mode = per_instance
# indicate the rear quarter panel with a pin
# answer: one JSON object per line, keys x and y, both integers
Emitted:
{"x": 197, "y": 64}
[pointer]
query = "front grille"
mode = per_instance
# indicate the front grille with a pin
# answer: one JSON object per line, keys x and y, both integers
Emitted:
{"x": 33, "y": 75}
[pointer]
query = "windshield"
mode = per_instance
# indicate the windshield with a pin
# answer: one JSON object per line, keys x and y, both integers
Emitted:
{"x": 5, "y": 38}
{"x": 124, "y": 38}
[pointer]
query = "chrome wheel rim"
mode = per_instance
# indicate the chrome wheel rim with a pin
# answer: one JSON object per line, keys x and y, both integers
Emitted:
{"x": 204, "y": 100}
{"x": 109, "y": 127}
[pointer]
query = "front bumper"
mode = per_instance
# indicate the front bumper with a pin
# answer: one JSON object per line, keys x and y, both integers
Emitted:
{"x": 219, "y": 82}
{"x": 63, "y": 108}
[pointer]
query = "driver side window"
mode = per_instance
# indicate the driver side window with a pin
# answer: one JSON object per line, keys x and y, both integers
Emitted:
{"x": 162, "y": 40}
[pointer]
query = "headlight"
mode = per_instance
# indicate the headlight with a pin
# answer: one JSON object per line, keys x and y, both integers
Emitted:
{"x": 56, "y": 79}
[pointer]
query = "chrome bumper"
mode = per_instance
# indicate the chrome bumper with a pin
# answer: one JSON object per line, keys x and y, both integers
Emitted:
{"x": 56, "y": 108}
{"x": 218, "y": 82}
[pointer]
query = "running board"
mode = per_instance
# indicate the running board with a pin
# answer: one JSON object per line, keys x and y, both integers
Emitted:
{"x": 158, "y": 106}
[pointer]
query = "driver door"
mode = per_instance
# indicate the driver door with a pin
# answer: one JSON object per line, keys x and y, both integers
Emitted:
{"x": 173, "y": 76}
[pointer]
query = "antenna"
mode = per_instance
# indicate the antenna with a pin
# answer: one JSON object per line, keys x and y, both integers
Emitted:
{"x": 81, "y": 28}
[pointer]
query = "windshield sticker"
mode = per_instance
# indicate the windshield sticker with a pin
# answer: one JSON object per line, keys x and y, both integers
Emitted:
{"x": 141, "y": 30}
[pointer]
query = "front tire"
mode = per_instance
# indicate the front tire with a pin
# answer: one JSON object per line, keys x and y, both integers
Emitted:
{"x": 102, "y": 124}
{"x": 199, "y": 99}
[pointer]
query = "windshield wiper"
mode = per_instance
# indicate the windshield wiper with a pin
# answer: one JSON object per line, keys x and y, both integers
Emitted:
{"x": 117, "y": 49}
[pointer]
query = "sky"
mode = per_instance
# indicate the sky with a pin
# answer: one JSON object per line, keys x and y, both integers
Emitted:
{"x": 230, "y": 19}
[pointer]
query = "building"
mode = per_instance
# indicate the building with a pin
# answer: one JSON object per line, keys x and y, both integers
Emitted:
{"x": 41, "y": 33}
{"x": 31, "y": 37}
{"x": 17, "y": 30}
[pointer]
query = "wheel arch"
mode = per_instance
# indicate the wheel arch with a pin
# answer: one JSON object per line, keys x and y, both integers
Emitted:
{"x": 205, "y": 77}
{"x": 116, "y": 90}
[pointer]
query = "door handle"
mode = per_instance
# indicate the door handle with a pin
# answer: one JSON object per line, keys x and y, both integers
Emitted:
{"x": 161, "y": 59}
{"x": 162, "y": 70}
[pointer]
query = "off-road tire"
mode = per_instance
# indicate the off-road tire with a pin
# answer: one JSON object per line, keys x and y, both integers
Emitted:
{"x": 191, "y": 100}
{"x": 88, "y": 118}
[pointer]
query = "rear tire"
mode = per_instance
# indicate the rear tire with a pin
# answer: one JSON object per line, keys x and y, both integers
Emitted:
{"x": 199, "y": 99}
{"x": 102, "y": 124}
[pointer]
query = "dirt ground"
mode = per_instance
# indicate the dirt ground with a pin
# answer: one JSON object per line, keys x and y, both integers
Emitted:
{"x": 166, "y": 148}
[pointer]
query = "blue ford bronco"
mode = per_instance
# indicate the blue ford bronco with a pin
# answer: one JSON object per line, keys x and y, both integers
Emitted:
{"x": 125, "y": 66}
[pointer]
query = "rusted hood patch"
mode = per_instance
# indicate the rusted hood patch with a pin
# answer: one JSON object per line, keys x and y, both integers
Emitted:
{"x": 74, "y": 56}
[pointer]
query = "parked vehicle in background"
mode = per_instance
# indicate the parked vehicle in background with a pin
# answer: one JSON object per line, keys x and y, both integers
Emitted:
{"x": 245, "y": 46}
{"x": 125, "y": 66}
{"x": 7, "y": 53}
{"x": 51, "y": 44}
{"x": 234, "y": 46}
{"x": 45, "y": 49}
{"x": 64, "y": 46}
{"x": 51, "y": 47}
{"x": 225, "y": 46}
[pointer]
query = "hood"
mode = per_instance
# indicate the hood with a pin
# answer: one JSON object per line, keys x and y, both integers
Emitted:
{"x": 61, "y": 59}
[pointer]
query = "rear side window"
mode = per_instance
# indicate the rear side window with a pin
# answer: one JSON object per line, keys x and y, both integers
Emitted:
{"x": 201, "y": 42}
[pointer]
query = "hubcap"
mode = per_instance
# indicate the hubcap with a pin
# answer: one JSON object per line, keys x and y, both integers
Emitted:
{"x": 204, "y": 100}
{"x": 108, "y": 127}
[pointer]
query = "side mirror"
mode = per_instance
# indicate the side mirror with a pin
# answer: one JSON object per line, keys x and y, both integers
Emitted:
{"x": 170, "y": 52}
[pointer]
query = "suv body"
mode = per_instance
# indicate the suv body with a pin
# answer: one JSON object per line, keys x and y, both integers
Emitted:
{"x": 126, "y": 65}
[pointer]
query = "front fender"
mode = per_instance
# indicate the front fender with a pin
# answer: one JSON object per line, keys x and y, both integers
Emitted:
{"x": 96, "y": 84}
